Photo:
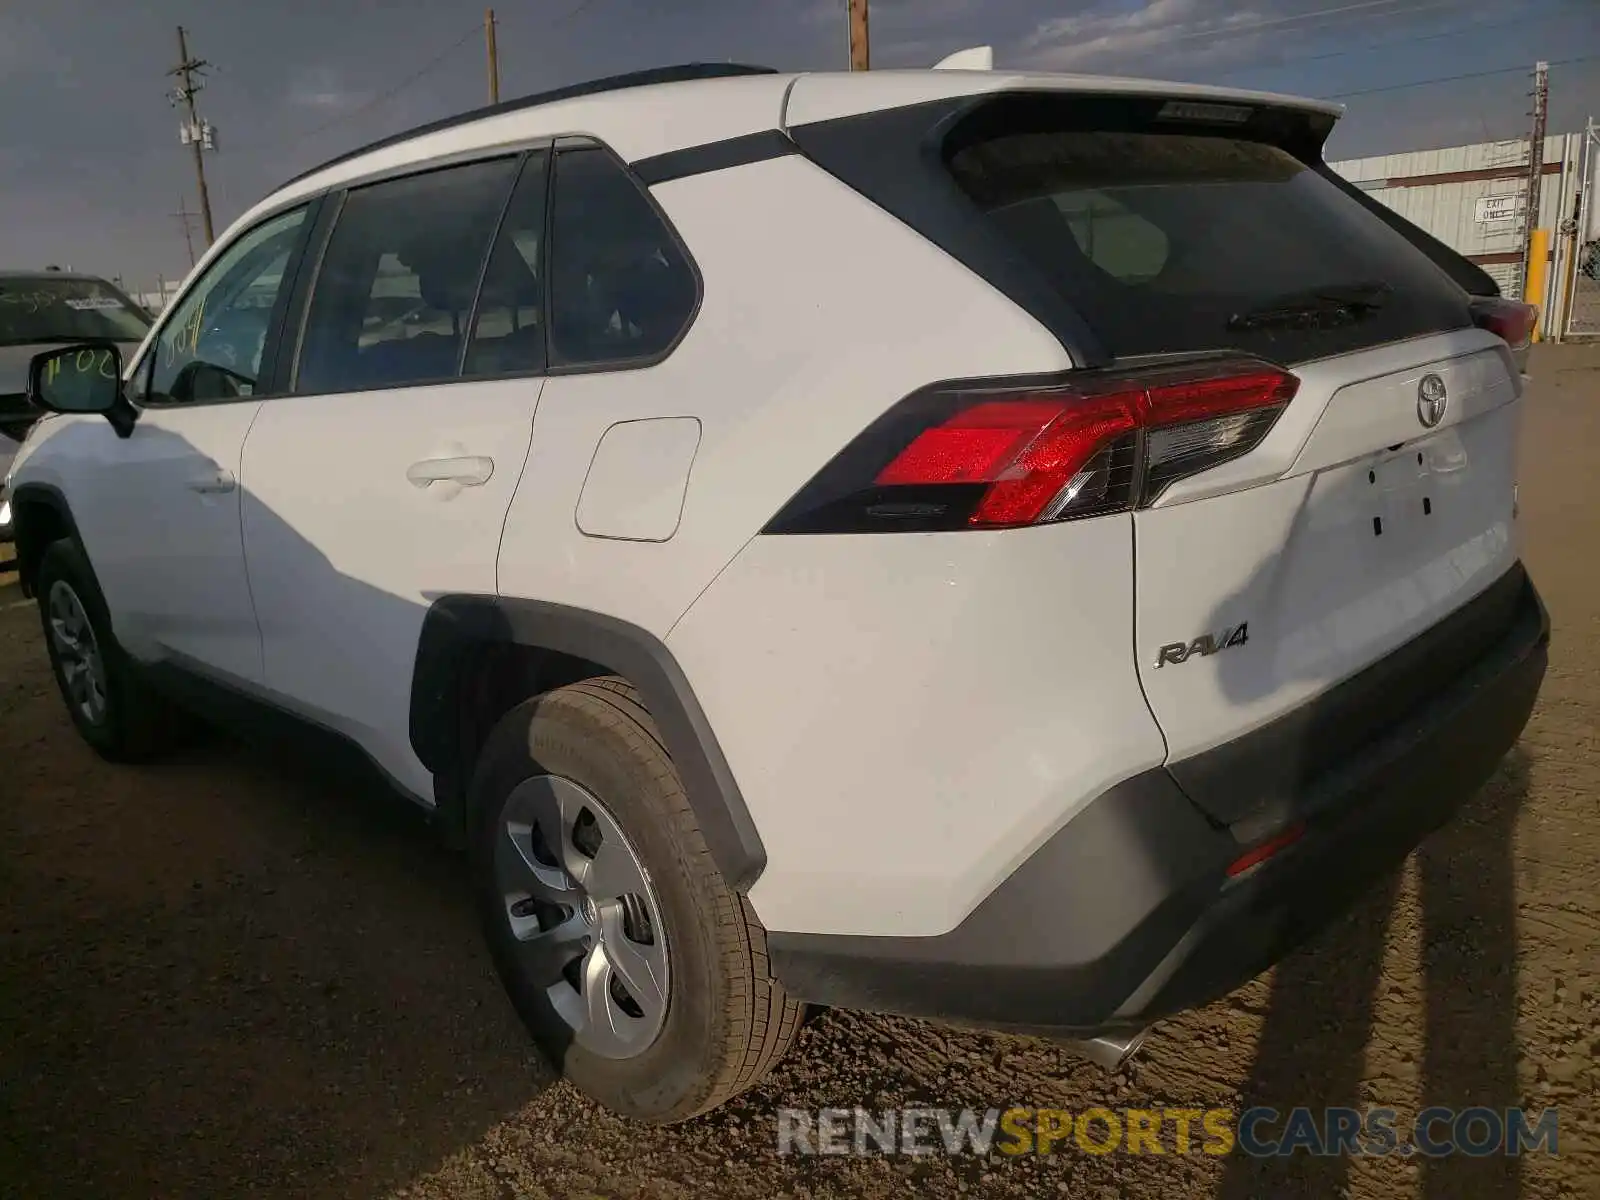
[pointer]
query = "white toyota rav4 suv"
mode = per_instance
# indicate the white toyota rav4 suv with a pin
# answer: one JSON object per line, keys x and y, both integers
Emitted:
{"x": 1021, "y": 550}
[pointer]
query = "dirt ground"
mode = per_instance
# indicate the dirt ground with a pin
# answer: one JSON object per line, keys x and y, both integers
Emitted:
{"x": 225, "y": 976}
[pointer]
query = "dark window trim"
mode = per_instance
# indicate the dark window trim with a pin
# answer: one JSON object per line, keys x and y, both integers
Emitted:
{"x": 329, "y": 206}
{"x": 852, "y": 149}
{"x": 720, "y": 155}
{"x": 546, "y": 288}
{"x": 266, "y": 377}
{"x": 471, "y": 329}
{"x": 291, "y": 365}
{"x": 511, "y": 148}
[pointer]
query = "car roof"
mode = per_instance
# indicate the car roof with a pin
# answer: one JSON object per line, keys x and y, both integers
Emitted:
{"x": 645, "y": 113}
{"x": 675, "y": 99}
{"x": 611, "y": 83}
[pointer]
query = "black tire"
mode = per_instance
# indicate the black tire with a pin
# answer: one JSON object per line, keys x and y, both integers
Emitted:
{"x": 727, "y": 1021}
{"x": 136, "y": 723}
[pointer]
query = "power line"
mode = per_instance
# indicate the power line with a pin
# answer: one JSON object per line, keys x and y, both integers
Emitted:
{"x": 581, "y": 7}
{"x": 1400, "y": 87}
{"x": 1361, "y": 6}
{"x": 1392, "y": 41}
{"x": 426, "y": 67}
{"x": 184, "y": 215}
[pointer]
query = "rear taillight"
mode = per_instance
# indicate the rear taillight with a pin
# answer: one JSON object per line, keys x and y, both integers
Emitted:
{"x": 1000, "y": 454}
{"x": 1510, "y": 320}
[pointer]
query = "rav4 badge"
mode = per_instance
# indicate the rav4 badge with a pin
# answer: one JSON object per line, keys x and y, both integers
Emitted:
{"x": 1205, "y": 645}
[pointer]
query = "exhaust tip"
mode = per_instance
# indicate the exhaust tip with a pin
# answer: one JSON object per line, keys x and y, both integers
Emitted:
{"x": 1110, "y": 1052}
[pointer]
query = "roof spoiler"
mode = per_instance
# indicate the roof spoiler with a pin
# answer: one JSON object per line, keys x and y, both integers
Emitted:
{"x": 974, "y": 58}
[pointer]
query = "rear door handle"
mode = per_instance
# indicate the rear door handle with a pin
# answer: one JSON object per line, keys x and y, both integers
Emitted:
{"x": 468, "y": 471}
{"x": 220, "y": 481}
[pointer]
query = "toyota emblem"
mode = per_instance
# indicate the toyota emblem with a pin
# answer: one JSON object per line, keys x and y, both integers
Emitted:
{"x": 1432, "y": 399}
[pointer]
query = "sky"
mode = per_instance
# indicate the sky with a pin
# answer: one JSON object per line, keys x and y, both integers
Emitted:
{"x": 93, "y": 172}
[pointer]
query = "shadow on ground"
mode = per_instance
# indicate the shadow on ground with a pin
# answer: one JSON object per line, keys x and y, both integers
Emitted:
{"x": 212, "y": 983}
{"x": 1320, "y": 1017}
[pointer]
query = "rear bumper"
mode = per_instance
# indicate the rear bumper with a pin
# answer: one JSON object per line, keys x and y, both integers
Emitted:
{"x": 1128, "y": 914}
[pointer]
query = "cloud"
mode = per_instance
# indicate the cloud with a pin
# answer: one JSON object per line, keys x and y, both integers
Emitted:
{"x": 1201, "y": 34}
{"x": 323, "y": 100}
{"x": 1161, "y": 30}
{"x": 922, "y": 13}
{"x": 322, "y": 90}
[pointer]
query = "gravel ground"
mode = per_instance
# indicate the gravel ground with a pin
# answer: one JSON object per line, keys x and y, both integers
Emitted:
{"x": 224, "y": 975}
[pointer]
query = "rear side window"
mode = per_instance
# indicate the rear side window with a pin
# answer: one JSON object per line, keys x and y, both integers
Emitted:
{"x": 395, "y": 290}
{"x": 1176, "y": 241}
{"x": 621, "y": 290}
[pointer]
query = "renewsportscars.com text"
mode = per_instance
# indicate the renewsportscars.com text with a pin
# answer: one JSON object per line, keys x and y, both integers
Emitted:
{"x": 1259, "y": 1132}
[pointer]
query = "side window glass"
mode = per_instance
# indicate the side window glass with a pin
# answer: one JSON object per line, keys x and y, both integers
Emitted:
{"x": 394, "y": 292}
{"x": 508, "y": 332}
{"x": 210, "y": 347}
{"x": 620, "y": 287}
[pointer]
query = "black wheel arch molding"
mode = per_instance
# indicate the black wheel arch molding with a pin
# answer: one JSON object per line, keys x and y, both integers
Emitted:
{"x": 460, "y": 629}
{"x": 27, "y": 500}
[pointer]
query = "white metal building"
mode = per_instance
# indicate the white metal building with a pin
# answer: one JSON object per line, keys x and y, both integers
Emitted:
{"x": 1473, "y": 198}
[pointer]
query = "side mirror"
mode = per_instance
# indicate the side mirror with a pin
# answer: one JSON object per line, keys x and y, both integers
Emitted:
{"x": 85, "y": 378}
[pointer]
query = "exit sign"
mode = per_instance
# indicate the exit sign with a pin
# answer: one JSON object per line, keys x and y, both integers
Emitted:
{"x": 1500, "y": 208}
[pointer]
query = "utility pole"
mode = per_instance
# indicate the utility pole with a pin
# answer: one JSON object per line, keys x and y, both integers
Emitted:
{"x": 860, "y": 59}
{"x": 195, "y": 133}
{"x": 184, "y": 217}
{"x": 1541, "y": 111}
{"x": 494, "y": 56}
{"x": 1535, "y": 239}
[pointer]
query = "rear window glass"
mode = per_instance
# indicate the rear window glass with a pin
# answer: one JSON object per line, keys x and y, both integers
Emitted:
{"x": 1180, "y": 242}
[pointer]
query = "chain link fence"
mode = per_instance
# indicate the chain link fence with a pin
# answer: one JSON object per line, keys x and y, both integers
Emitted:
{"x": 1583, "y": 309}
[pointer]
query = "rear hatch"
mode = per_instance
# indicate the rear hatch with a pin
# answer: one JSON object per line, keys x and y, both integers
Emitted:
{"x": 1286, "y": 543}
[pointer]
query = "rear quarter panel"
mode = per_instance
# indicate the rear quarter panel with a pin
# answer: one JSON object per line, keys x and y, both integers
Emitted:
{"x": 819, "y": 312}
{"x": 910, "y": 716}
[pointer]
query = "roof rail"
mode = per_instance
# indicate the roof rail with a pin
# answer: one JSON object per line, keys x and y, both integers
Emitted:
{"x": 681, "y": 73}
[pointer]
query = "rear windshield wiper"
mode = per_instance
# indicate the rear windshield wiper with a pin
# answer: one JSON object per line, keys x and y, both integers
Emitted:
{"x": 1338, "y": 304}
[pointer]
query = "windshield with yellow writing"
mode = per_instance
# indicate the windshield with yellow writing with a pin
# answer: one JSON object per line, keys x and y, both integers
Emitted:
{"x": 48, "y": 308}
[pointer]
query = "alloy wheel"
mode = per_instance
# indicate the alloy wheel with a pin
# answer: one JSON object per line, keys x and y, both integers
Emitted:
{"x": 78, "y": 656}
